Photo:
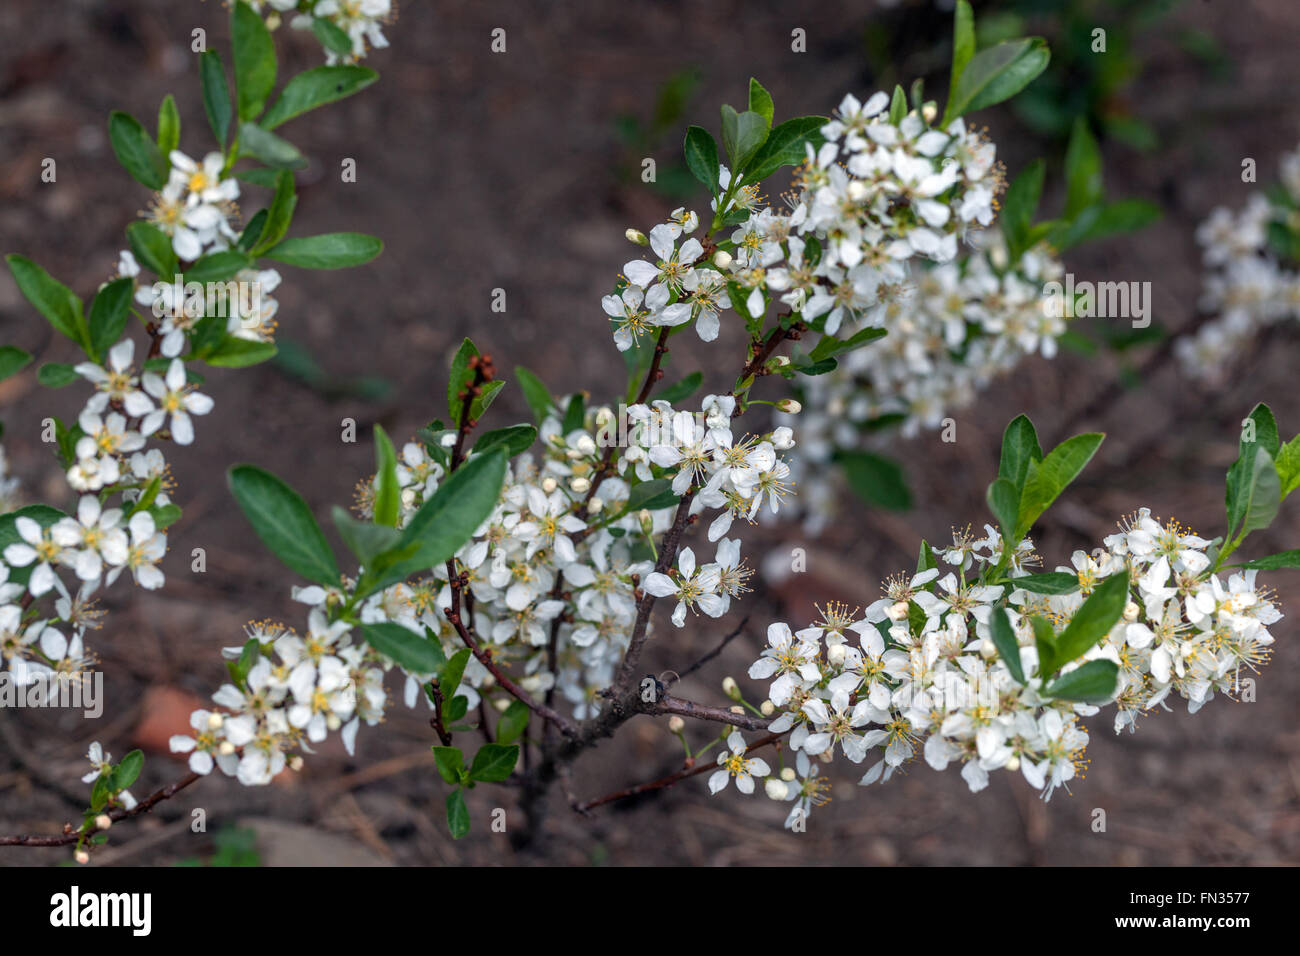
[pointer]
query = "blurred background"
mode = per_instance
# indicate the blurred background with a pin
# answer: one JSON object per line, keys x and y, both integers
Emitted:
{"x": 521, "y": 171}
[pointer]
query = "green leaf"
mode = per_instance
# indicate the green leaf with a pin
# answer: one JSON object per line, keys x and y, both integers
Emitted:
{"x": 535, "y": 393}
{"x": 455, "y": 709}
{"x": 785, "y": 146}
{"x": 829, "y": 346}
{"x": 877, "y": 480}
{"x": 128, "y": 770}
{"x": 681, "y": 390}
{"x": 1091, "y": 683}
{"x": 897, "y": 105}
{"x": 1004, "y": 501}
{"x": 513, "y": 722}
{"x": 450, "y": 517}
{"x": 136, "y": 150}
{"x": 234, "y": 352}
{"x": 760, "y": 101}
{"x": 165, "y": 515}
{"x": 169, "y": 126}
{"x": 270, "y": 148}
{"x": 1288, "y": 465}
{"x": 254, "y": 59}
{"x": 1093, "y": 621}
{"x": 1260, "y": 495}
{"x": 647, "y": 494}
{"x": 218, "y": 266}
{"x": 1020, "y": 205}
{"x": 453, "y": 671}
{"x": 278, "y": 215}
{"x": 1247, "y": 476}
{"x": 330, "y": 250}
{"x": 1019, "y": 448}
{"x": 258, "y": 176}
{"x": 997, "y": 74}
{"x": 702, "y": 157}
{"x": 153, "y": 248}
{"x": 483, "y": 400}
{"x": 109, "y": 311}
{"x": 365, "y": 539}
{"x": 412, "y": 652}
{"x": 57, "y": 375}
{"x": 388, "y": 501}
{"x": 1274, "y": 562}
{"x": 317, "y": 87}
{"x": 1050, "y": 582}
{"x": 742, "y": 135}
{"x": 284, "y": 523}
{"x": 514, "y": 439}
{"x": 1045, "y": 642}
{"x": 216, "y": 95}
{"x": 494, "y": 763}
{"x": 459, "y": 379}
{"x": 450, "y": 763}
{"x": 457, "y": 814}
{"x": 963, "y": 44}
{"x": 12, "y": 361}
{"x": 1109, "y": 219}
{"x": 1083, "y": 170}
{"x": 1046, "y": 479}
{"x": 52, "y": 299}
{"x": 1004, "y": 639}
{"x": 925, "y": 559}
{"x": 331, "y": 36}
{"x": 575, "y": 413}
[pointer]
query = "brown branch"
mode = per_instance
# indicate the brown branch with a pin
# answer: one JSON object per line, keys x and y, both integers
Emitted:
{"x": 720, "y": 715}
{"x": 691, "y": 770}
{"x": 70, "y": 835}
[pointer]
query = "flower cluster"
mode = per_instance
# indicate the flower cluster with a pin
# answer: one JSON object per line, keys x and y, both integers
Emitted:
{"x": 553, "y": 573}
{"x": 959, "y": 326}
{"x": 1249, "y": 284}
{"x": 359, "y": 22}
{"x": 918, "y": 673}
{"x": 876, "y": 194}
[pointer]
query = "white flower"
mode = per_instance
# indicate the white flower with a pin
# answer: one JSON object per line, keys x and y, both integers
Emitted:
{"x": 691, "y": 588}
{"x": 736, "y": 764}
{"x": 177, "y": 399}
{"x": 141, "y": 554}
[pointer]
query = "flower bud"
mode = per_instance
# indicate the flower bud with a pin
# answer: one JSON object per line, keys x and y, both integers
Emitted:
{"x": 585, "y": 445}
{"x": 1131, "y": 611}
{"x": 788, "y": 774}
{"x": 767, "y": 708}
{"x": 857, "y": 190}
{"x": 988, "y": 650}
{"x": 594, "y": 506}
{"x": 781, "y": 361}
{"x": 103, "y": 821}
{"x": 782, "y": 438}
{"x": 790, "y": 406}
{"x": 835, "y": 654}
{"x": 501, "y": 705}
{"x": 897, "y": 612}
{"x": 1013, "y": 763}
{"x": 929, "y": 111}
{"x": 580, "y": 485}
{"x": 333, "y": 722}
{"x": 731, "y": 688}
{"x": 775, "y": 788}
{"x": 722, "y": 258}
{"x": 676, "y": 724}
{"x": 408, "y": 496}
{"x": 647, "y": 522}
{"x": 294, "y": 762}
{"x": 215, "y": 721}
{"x": 226, "y": 748}
{"x": 637, "y": 237}
{"x": 549, "y": 484}
{"x": 81, "y": 856}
